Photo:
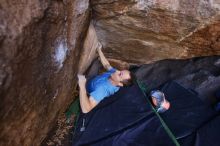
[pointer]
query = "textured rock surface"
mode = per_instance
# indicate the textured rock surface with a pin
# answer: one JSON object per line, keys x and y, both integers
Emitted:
{"x": 89, "y": 53}
{"x": 40, "y": 45}
{"x": 200, "y": 74}
{"x": 142, "y": 31}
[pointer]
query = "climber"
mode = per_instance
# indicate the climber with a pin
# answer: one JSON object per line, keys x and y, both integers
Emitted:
{"x": 102, "y": 85}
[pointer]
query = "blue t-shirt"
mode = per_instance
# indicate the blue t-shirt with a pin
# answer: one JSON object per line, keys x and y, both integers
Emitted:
{"x": 101, "y": 87}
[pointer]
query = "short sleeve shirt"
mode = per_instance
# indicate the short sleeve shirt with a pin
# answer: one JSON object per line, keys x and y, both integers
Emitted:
{"x": 101, "y": 87}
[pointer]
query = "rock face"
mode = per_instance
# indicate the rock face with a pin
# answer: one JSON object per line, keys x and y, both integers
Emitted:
{"x": 89, "y": 53}
{"x": 142, "y": 31}
{"x": 40, "y": 45}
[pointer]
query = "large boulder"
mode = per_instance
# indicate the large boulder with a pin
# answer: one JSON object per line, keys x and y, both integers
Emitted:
{"x": 40, "y": 44}
{"x": 142, "y": 31}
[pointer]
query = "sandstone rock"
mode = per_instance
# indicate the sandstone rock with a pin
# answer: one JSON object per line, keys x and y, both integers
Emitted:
{"x": 40, "y": 44}
{"x": 142, "y": 31}
{"x": 89, "y": 52}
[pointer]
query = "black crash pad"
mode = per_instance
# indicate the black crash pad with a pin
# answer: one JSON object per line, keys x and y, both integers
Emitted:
{"x": 126, "y": 118}
{"x": 187, "y": 112}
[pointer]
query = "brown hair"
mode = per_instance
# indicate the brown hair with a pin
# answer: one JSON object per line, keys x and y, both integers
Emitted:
{"x": 131, "y": 81}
